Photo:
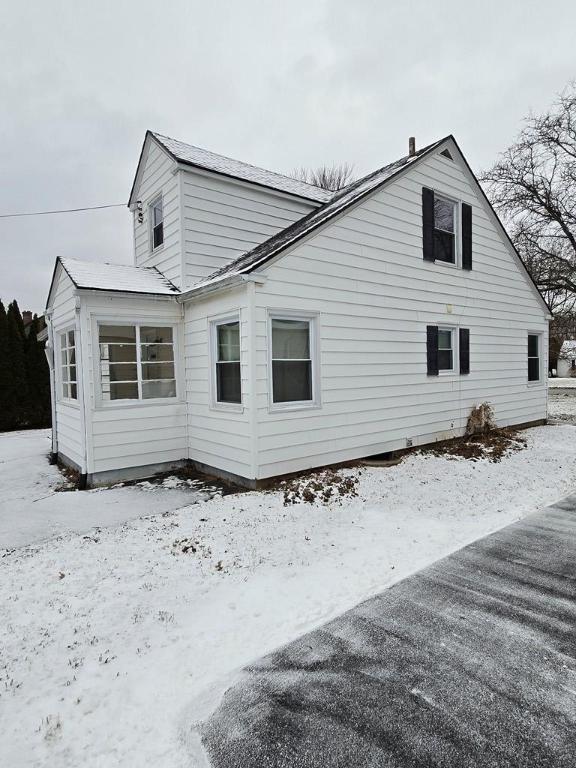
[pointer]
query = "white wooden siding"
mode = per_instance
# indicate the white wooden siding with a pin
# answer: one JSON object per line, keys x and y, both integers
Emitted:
{"x": 366, "y": 276}
{"x": 159, "y": 176}
{"x": 68, "y": 421}
{"x": 132, "y": 434}
{"x": 224, "y": 218}
{"x": 218, "y": 437}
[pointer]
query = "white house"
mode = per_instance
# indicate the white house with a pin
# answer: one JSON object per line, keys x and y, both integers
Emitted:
{"x": 268, "y": 326}
{"x": 567, "y": 359}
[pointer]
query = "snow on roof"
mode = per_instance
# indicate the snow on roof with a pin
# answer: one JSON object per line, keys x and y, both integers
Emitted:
{"x": 202, "y": 158}
{"x": 340, "y": 201}
{"x": 568, "y": 349}
{"x": 117, "y": 277}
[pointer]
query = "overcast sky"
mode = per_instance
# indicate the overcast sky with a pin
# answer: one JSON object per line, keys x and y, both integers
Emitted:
{"x": 275, "y": 84}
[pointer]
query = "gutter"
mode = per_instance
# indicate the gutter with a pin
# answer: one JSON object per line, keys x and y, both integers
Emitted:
{"x": 232, "y": 281}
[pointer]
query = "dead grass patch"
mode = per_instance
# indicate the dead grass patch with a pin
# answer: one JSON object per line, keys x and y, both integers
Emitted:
{"x": 326, "y": 487}
{"x": 493, "y": 445}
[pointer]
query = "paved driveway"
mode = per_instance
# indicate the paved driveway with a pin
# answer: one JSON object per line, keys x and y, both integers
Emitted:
{"x": 470, "y": 662}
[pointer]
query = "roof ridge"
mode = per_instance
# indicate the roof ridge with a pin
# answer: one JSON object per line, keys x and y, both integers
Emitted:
{"x": 243, "y": 162}
{"x": 298, "y": 229}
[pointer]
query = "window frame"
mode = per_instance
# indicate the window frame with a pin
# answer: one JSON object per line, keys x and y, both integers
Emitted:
{"x": 455, "y": 341}
{"x": 214, "y": 322}
{"x": 540, "y": 379}
{"x": 61, "y": 396}
{"x": 457, "y": 263}
{"x": 140, "y": 401}
{"x": 157, "y": 198}
{"x": 313, "y": 319}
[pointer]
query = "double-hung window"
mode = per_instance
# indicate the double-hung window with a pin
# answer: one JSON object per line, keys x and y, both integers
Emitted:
{"x": 533, "y": 357}
{"x": 136, "y": 362}
{"x": 292, "y": 363}
{"x": 68, "y": 365}
{"x": 156, "y": 222}
{"x": 445, "y": 223}
{"x": 446, "y": 229}
{"x": 226, "y": 357}
{"x": 446, "y": 350}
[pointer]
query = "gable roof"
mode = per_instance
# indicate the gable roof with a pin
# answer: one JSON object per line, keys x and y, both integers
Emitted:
{"x": 340, "y": 201}
{"x": 119, "y": 278}
{"x": 197, "y": 157}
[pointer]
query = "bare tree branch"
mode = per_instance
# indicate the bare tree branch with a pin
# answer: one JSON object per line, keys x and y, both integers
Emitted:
{"x": 331, "y": 178}
{"x": 533, "y": 187}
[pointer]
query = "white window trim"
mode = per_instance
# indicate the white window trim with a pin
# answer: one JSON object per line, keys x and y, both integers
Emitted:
{"x": 540, "y": 381}
{"x": 457, "y": 263}
{"x": 214, "y": 322}
{"x": 101, "y": 403}
{"x": 61, "y": 397}
{"x": 314, "y": 319}
{"x": 455, "y": 370}
{"x": 153, "y": 201}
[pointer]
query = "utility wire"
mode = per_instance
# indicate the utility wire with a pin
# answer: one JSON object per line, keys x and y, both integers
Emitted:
{"x": 67, "y": 210}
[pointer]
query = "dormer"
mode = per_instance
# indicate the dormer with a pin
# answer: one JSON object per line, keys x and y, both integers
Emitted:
{"x": 194, "y": 211}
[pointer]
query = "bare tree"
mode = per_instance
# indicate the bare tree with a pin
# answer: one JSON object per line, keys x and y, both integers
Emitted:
{"x": 331, "y": 178}
{"x": 533, "y": 187}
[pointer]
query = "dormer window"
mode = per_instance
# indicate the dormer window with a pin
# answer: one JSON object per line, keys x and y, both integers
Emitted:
{"x": 156, "y": 223}
{"x": 444, "y": 229}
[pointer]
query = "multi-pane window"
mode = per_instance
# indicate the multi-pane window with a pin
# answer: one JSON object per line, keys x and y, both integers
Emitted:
{"x": 68, "y": 365}
{"x": 445, "y": 217}
{"x": 157, "y": 222}
{"x": 533, "y": 357}
{"x": 291, "y": 361}
{"x": 136, "y": 362}
{"x": 445, "y": 349}
{"x": 227, "y": 361}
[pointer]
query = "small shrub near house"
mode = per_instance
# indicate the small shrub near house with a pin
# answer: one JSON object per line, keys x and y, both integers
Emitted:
{"x": 482, "y": 439}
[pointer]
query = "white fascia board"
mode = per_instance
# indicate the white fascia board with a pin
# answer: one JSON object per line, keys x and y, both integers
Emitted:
{"x": 231, "y": 281}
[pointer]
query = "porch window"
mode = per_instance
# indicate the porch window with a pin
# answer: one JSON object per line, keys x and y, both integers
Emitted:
{"x": 157, "y": 222}
{"x": 226, "y": 339}
{"x": 533, "y": 357}
{"x": 68, "y": 365}
{"x": 136, "y": 362}
{"x": 292, "y": 361}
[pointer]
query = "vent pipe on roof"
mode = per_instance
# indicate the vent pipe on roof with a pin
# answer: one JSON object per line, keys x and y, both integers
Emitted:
{"x": 411, "y": 146}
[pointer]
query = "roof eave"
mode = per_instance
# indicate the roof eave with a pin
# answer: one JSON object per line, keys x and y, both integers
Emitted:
{"x": 228, "y": 282}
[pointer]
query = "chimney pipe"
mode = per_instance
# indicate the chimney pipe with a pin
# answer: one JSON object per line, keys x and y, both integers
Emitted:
{"x": 411, "y": 146}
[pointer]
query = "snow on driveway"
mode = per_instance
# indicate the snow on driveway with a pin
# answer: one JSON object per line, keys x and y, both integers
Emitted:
{"x": 31, "y": 510}
{"x": 107, "y": 641}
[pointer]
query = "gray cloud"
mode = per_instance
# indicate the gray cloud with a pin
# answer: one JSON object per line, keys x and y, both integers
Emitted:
{"x": 278, "y": 85}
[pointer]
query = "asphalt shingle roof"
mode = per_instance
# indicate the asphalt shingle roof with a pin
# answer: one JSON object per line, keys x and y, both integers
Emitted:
{"x": 117, "y": 277}
{"x": 202, "y": 158}
{"x": 341, "y": 200}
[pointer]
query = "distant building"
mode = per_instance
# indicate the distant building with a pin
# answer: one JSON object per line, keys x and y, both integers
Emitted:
{"x": 567, "y": 359}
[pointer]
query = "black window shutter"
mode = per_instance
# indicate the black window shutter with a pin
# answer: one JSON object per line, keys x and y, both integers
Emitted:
{"x": 464, "y": 350}
{"x": 428, "y": 223}
{"x": 432, "y": 349}
{"x": 466, "y": 236}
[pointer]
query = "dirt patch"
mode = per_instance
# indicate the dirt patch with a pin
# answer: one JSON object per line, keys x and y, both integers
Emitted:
{"x": 493, "y": 446}
{"x": 324, "y": 487}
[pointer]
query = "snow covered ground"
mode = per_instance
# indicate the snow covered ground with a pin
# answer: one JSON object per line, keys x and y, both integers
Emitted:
{"x": 32, "y": 510}
{"x": 561, "y": 383}
{"x": 562, "y": 404}
{"x": 108, "y": 640}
